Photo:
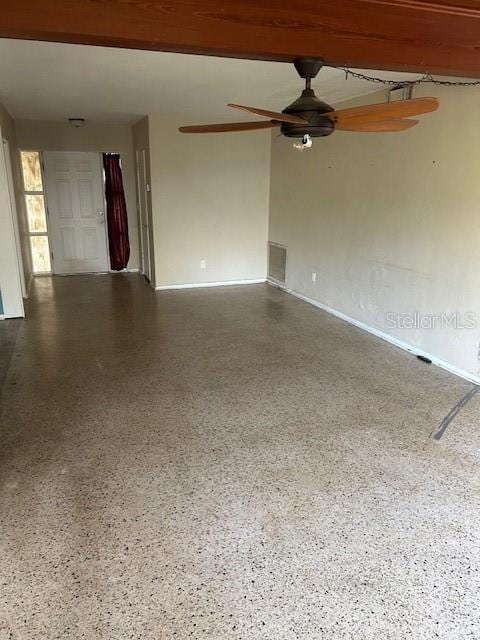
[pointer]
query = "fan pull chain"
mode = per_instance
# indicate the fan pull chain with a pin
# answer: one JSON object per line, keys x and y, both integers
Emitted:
{"x": 427, "y": 78}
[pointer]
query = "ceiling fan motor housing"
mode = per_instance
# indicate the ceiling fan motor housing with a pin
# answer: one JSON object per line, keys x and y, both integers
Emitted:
{"x": 312, "y": 109}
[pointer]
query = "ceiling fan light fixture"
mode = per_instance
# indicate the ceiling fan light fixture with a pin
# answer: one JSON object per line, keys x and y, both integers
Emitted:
{"x": 306, "y": 143}
{"x": 309, "y": 117}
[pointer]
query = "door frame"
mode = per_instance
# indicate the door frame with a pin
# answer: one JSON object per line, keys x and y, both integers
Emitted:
{"x": 146, "y": 256}
{"x": 10, "y": 259}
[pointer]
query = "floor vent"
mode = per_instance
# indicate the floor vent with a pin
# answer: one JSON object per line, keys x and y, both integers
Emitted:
{"x": 277, "y": 262}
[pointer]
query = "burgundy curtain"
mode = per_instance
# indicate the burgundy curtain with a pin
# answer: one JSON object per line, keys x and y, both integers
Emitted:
{"x": 117, "y": 221}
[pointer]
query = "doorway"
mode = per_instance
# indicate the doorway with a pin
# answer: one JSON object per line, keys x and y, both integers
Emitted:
{"x": 76, "y": 212}
{"x": 143, "y": 213}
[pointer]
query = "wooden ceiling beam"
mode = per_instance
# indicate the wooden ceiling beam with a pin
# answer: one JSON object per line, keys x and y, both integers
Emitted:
{"x": 441, "y": 37}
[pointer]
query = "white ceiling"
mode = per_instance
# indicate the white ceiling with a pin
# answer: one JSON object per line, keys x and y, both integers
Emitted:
{"x": 51, "y": 81}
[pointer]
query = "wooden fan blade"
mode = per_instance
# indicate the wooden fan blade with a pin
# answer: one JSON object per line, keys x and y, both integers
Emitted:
{"x": 387, "y": 125}
{"x": 383, "y": 111}
{"x": 228, "y": 126}
{"x": 274, "y": 115}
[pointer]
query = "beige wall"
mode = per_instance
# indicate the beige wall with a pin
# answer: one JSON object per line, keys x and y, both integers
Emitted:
{"x": 389, "y": 223}
{"x": 141, "y": 140}
{"x": 7, "y": 127}
{"x": 60, "y": 136}
{"x": 210, "y": 202}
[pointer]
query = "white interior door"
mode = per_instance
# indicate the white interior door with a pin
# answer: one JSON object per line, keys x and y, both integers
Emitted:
{"x": 75, "y": 200}
{"x": 143, "y": 211}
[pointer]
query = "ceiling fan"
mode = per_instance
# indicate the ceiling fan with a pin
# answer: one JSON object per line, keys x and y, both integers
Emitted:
{"x": 309, "y": 117}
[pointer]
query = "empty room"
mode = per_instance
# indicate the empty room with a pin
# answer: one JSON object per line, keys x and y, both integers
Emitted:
{"x": 239, "y": 320}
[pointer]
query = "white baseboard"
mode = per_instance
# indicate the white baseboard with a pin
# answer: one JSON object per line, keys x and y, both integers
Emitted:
{"x": 195, "y": 285}
{"x": 380, "y": 334}
{"x": 91, "y": 273}
{"x": 2, "y": 317}
{"x": 135, "y": 270}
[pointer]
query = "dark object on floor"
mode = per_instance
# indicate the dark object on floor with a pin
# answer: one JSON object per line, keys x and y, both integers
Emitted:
{"x": 424, "y": 359}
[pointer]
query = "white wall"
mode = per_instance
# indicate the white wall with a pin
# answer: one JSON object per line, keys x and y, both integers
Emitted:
{"x": 11, "y": 300}
{"x": 9, "y": 133}
{"x": 389, "y": 222}
{"x": 60, "y": 136}
{"x": 210, "y": 202}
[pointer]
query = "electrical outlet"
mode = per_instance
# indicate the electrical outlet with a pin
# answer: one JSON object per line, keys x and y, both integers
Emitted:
{"x": 203, "y": 264}
{"x": 314, "y": 277}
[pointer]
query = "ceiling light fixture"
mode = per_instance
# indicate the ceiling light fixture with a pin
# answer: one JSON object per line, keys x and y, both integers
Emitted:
{"x": 306, "y": 143}
{"x": 309, "y": 117}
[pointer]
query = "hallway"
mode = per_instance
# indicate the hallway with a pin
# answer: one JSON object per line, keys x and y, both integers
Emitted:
{"x": 228, "y": 463}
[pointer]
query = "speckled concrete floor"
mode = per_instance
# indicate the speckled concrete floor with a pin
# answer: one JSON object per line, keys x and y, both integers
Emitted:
{"x": 229, "y": 464}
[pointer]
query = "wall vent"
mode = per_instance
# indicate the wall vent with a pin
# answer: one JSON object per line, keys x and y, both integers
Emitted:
{"x": 277, "y": 262}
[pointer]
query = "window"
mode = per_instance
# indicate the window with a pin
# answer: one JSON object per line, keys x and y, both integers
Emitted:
{"x": 36, "y": 211}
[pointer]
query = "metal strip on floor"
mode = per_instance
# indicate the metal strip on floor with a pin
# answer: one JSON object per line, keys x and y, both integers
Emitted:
{"x": 438, "y": 432}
